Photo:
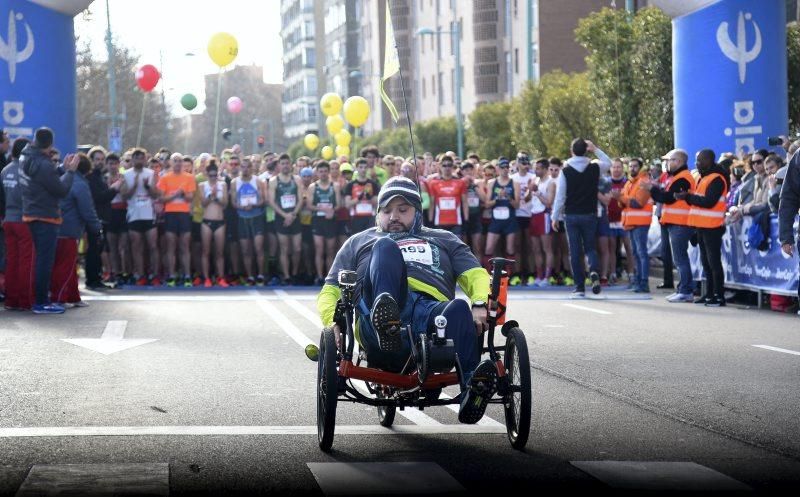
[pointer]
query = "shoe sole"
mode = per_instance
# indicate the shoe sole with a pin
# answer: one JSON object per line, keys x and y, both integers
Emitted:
{"x": 483, "y": 390}
{"x": 385, "y": 318}
{"x": 595, "y": 283}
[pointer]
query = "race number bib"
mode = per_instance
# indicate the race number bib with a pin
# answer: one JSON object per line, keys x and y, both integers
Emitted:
{"x": 447, "y": 203}
{"x": 415, "y": 250}
{"x": 501, "y": 212}
{"x": 615, "y": 226}
{"x": 288, "y": 201}
{"x": 364, "y": 208}
{"x": 246, "y": 200}
{"x": 323, "y": 209}
{"x": 473, "y": 201}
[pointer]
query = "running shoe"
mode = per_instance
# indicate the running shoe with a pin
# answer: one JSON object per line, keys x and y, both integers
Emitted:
{"x": 187, "y": 282}
{"x": 222, "y": 283}
{"x": 568, "y": 281}
{"x": 543, "y": 283}
{"x": 603, "y": 281}
{"x": 260, "y": 280}
{"x": 552, "y": 281}
{"x": 385, "y": 318}
{"x": 595, "y": 282}
{"x": 274, "y": 281}
{"x": 531, "y": 281}
{"x": 577, "y": 294}
{"x": 250, "y": 281}
{"x": 197, "y": 281}
{"x": 48, "y": 309}
{"x": 80, "y": 303}
{"x": 680, "y": 298}
{"x": 480, "y": 390}
{"x": 155, "y": 281}
{"x": 141, "y": 281}
{"x": 716, "y": 301}
{"x": 207, "y": 283}
{"x": 515, "y": 280}
{"x": 171, "y": 282}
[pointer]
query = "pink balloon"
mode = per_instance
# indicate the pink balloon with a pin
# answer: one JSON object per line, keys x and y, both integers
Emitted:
{"x": 235, "y": 105}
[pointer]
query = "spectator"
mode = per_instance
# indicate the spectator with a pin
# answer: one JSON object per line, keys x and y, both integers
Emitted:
{"x": 102, "y": 195}
{"x": 737, "y": 171}
{"x": 576, "y": 205}
{"x": 707, "y": 214}
{"x": 675, "y": 215}
{"x": 18, "y": 242}
{"x": 42, "y": 190}
{"x": 78, "y": 212}
{"x": 789, "y": 206}
{"x": 4, "y": 146}
{"x": 754, "y": 168}
{"x": 755, "y": 192}
{"x": 661, "y": 176}
{"x": 775, "y": 178}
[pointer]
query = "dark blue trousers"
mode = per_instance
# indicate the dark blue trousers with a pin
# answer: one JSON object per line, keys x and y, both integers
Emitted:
{"x": 45, "y": 238}
{"x": 387, "y": 273}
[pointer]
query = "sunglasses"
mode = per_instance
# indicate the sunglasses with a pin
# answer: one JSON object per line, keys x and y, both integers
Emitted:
{"x": 759, "y": 161}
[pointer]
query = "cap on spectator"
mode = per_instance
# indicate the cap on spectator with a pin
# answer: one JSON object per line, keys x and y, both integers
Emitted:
{"x": 43, "y": 137}
{"x": 306, "y": 172}
{"x": 675, "y": 151}
{"x": 400, "y": 186}
{"x": 346, "y": 168}
{"x": 204, "y": 156}
{"x": 502, "y": 162}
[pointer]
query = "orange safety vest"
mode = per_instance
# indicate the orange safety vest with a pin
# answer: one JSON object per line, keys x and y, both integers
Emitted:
{"x": 631, "y": 216}
{"x": 678, "y": 212}
{"x": 715, "y": 216}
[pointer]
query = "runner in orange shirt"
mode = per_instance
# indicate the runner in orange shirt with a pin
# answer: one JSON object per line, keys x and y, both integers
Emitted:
{"x": 177, "y": 191}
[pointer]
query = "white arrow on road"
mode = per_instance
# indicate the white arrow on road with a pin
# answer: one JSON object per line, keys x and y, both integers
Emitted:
{"x": 111, "y": 341}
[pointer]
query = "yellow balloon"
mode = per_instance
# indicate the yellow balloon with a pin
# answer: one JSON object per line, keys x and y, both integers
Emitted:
{"x": 343, "y": 138}
{"x": 223, "y": 48}
{"x": 342, "y": 150}
{"x": 356, "y": 111}
{"x": 327, "y": 152}
{"x": 334, "y": 123}
{"x": 331, "y": 104}
{"x": 311, "y": 141}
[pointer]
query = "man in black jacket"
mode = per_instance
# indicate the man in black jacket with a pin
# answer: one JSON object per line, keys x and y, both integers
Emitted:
{"x": 710, "y": 237}
{"x": 42, "y": 189}
{"x": 789, "y": 205}
{"x": 102, "y": 195}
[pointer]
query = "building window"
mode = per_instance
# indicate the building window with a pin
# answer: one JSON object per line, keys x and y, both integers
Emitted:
{"x": 438, "y": 43}
{"x": 516, "y": 61}
{"x": 424, "y": 89}
{"x": 516, "y": 10}
{"x": 433, "y": 85}
{"x": 452, "y": 85}
{"x": 441, "y": 90}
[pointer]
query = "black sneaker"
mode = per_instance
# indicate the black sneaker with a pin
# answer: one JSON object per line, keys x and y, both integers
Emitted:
{"x": 716, "y": 301}
{"x": 385, "y": 318}
{"x": 595, "y": 282}
{"x": 260, "y": 281}
{"x": 480, "y": 390}
{"x": 703, "y": 300}
{"x": 98, "y": 285}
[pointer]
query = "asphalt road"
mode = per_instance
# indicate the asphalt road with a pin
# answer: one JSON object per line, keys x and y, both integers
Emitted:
{"x": 628, "y": 394}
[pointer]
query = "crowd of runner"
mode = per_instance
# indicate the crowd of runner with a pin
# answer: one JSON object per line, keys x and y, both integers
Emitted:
{"x": 269, "y": 219}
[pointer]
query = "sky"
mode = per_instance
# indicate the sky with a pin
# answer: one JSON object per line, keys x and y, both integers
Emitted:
{"x": 178, "y": 27}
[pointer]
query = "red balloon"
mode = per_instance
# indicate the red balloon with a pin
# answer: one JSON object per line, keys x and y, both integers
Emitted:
{"x": 147, "y": 77}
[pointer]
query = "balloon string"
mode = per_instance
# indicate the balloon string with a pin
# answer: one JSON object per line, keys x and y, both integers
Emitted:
{"x": 216, "y": 117}
{"x": 141, "y": 120}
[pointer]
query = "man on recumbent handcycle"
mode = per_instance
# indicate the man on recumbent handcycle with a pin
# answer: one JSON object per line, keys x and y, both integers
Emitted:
{"x": 406, "y": 275}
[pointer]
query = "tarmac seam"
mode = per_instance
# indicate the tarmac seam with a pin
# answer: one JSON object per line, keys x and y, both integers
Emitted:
{"x": 661, "y": 412}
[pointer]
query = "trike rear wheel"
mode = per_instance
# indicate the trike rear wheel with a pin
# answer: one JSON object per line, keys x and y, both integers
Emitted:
{"x": 517, "y": 401}
{"x": 327, "y": 389}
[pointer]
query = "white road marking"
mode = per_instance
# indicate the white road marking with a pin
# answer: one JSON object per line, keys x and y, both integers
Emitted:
{"x": 383, "y": 478}
{"x": 299, "y": 308}
{"x": 284, "y": 324}
{"x": 584, "y": 308}
{"x": 660, "y": 476}
{"x": 777, "y": 349}
{"x": 125, "y": 431}
{"x": 111, "y": 341}
{"x": 96, "y": 479}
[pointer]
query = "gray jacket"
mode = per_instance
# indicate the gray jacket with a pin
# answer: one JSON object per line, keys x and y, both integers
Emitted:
{"x": 12, "y": 190}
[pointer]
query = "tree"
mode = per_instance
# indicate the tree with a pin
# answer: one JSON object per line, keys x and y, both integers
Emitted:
{"x": 525, "y": 122}
{"x": 608, "y": 37}
{"x": 489, "y": 132}
{"x": 563, "y": 111}
{"x": 652, "y": 88}
{"x": 435, "y": 135}
{"x": 93, "y": 104}
{"x": 793, "y": 66}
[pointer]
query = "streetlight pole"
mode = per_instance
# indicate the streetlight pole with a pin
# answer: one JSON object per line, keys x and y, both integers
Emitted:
{"x": 457, "y": 48}
{"x": 112, "y": 82}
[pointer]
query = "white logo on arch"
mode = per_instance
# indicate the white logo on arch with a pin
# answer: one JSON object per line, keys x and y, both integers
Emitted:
{"x": 8, "y": 47}
{"x": 738, "y": 51}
